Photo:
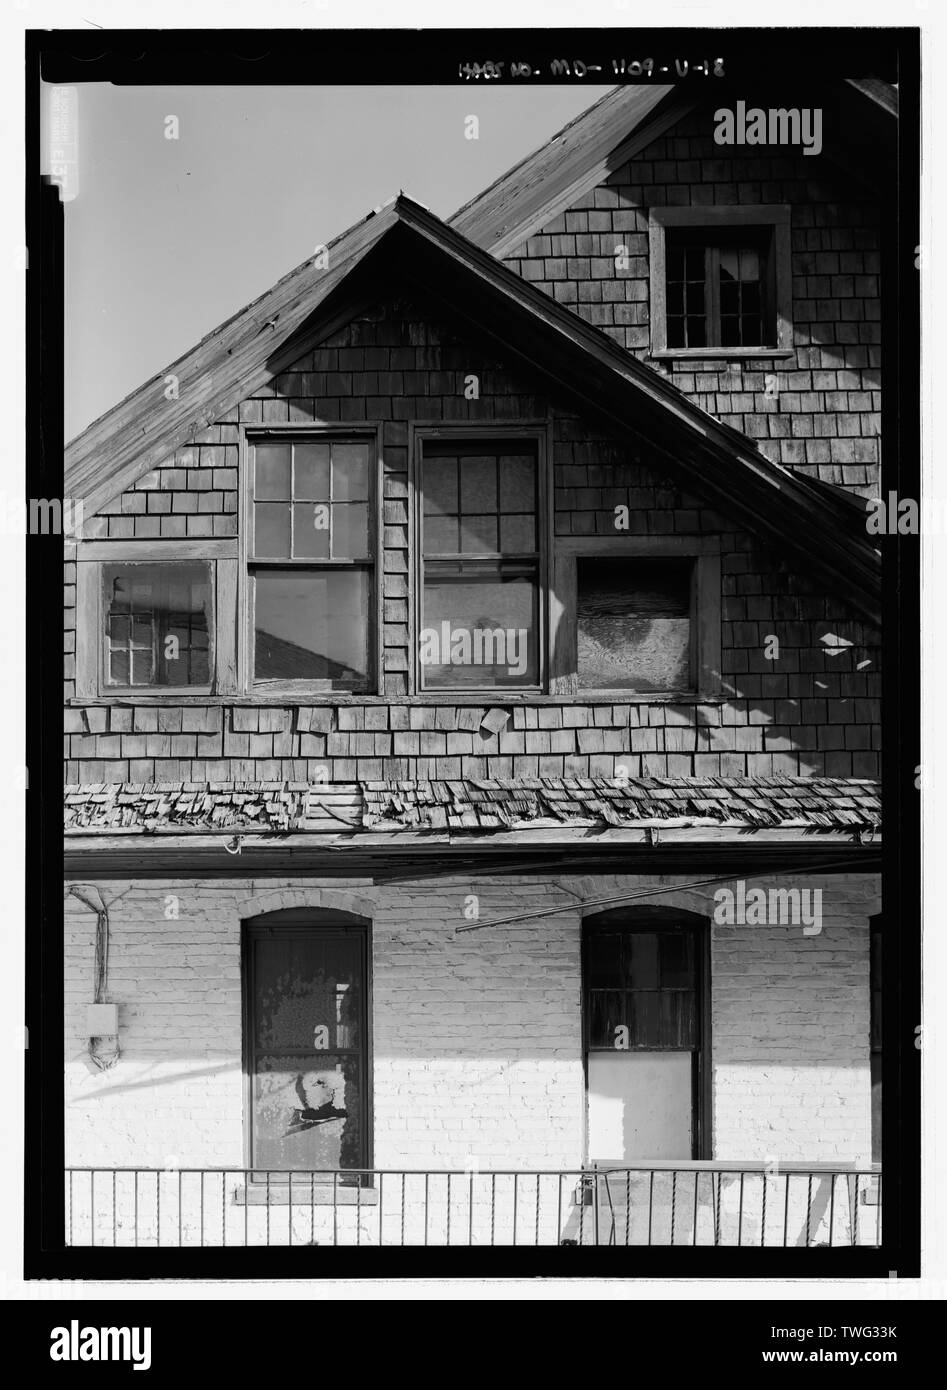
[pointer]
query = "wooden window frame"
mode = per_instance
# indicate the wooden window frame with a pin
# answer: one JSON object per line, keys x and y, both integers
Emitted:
{"x": 776, "y": 218}
{"x": 705, "y": 610}
{"x": 322, "y": 691}
{"x": 875, "y": 1031}
{"x": 650, "y": 919}
{"x": 300, "y": 921}
{"x": 539, "y": 434}
{"x": 91, "y": 646}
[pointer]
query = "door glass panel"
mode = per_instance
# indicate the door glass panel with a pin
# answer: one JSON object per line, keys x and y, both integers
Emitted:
{"x": 306, "y": 1019}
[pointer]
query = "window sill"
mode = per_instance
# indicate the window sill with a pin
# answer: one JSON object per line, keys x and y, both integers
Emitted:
{"x": 319, "y": 699}
{"x": 721, "y": 354}
{"x": 320, "y": 1194}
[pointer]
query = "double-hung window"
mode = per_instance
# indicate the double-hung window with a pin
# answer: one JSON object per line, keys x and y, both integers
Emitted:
{"x": 310, "y": 562}
{"x": 480, "y": 565}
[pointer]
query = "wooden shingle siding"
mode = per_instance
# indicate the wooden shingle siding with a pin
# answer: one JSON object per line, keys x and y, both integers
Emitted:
{"x": 823, "y": 417}
{"x": 807, "y": 712}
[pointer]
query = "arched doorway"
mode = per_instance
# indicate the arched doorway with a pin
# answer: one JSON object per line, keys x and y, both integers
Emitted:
{"x": 306, "y": 1040}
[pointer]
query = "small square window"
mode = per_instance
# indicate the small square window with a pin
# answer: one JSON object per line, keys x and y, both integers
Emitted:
{"x": 721, "y": 281}
{"x": 157, "y": 620}
{"x": 634, "y": 624}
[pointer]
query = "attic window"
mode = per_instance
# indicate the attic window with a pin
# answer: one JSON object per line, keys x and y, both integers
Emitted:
{"x": 720, "y": 281}
{"x": 718, "y": 289}
{"x": 157, "y": 625}
{"x": 634, "y": 624}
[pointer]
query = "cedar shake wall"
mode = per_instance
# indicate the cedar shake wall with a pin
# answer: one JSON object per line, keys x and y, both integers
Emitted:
{"x": 806, "y": 712}
{"x": 824, "y": 416}
{"x": 477, "y": 1045}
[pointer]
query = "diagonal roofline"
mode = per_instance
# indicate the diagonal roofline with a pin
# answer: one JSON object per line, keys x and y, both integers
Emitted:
{"x": 581, "y": 360}
{"x": 587, "y": 150}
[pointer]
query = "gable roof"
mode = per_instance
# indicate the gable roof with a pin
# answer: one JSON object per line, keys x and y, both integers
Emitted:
{"x": 575, "y": 360}
{"x": 584, "y": 153}
{"x": 624, "y": 122}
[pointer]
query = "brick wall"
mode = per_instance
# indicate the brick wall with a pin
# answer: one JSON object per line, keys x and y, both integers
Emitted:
{"x": 806, "y": 712}
{"x": 824, "y": 416}
{"x": 477, "y": 1037}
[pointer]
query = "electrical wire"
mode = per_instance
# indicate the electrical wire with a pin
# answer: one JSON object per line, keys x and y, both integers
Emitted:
{"x": 100, "y": 969}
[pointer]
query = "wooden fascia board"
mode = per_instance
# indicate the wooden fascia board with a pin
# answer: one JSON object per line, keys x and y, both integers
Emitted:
{"x": 500, "y": 240}
{"x": 764, "y": 491}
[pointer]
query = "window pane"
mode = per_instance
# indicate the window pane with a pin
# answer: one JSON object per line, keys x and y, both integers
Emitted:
{"x": 677, "y": 1026}
{"x": 313, "y": 626}
{"x": 641, "y": 960}
{"x": 306, "y": 1112}
{"x": 605, "y": 1015}
{"x": 634, "y": 624}
{"x": 157, "y": 621}
{"x": 729, "y": 297}
{"x": 272, "y": 474}
{"x": 311, "y": 530}
{"x": 349, "y": 530}
{"x": 478, "y": 485}
{"x": 350, "y": 472}
{"x": 676, "y": 952}
{"x": 143, "y": 667}
{"x": 518, "y": 534}
{"x": 478, "y": 535}
{"x": 307, "y": 992}
{"x": 695, "y": 263}
{"x": 311, "y": 479}
{"x": 603, "y": 961}
{"x": 441, "y": 496}
{"x": 479, "y": 627}
{"x": 644, "y": 1018}
{"x": 441, "y": 535}
{"x": 729, "y": 265}
{"x": 518, "y": 483}
{"x": 271, "y": 530}
{"x": 749, "y": 265}
{"x": 696, "y": 330}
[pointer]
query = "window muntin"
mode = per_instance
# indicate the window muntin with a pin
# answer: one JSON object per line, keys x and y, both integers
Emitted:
{"x": 480, "y": 565}
{"x": 310, "y": 562}
{"x": 157, "y": 620}
{"x": 719, "y": 288}
{"x": 634, "y": 624}
{"x": 306, "y": 1043}
{"x": 645, "y": 981}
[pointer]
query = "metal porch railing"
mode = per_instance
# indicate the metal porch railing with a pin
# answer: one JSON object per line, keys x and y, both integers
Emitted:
{"x": 657, "y": 1204}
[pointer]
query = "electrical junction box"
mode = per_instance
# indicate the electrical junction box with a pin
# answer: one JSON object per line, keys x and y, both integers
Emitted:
{"x": 102, "y": 1020}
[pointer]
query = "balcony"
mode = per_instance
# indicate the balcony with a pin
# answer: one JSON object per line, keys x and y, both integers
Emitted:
{"x": 652, "y": 1204}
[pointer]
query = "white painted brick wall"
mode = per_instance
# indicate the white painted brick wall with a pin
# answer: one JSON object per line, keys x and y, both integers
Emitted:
{"x": 477, "y": 1036}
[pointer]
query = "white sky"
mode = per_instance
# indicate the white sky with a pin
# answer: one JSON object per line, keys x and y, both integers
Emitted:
{"x": 167, "y": 238}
